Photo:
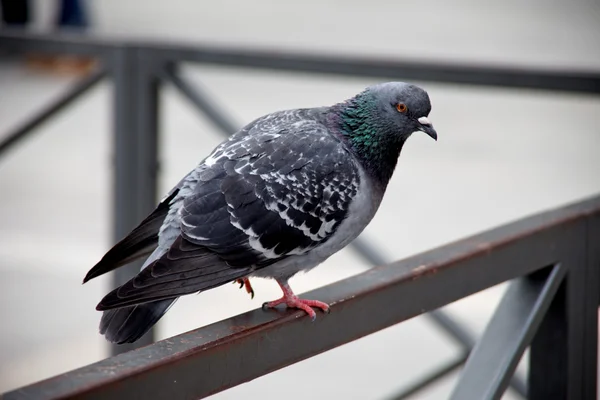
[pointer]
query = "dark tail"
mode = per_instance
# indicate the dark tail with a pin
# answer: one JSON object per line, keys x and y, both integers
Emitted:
{"x": 128, "y": 324}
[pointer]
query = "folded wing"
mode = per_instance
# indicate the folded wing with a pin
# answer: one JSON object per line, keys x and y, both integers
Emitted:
{"x": 260, "y": 198}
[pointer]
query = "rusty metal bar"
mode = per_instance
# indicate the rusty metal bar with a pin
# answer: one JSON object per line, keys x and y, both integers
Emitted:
{"x": 228, "y": 353}
{"x": 365, "y": 249}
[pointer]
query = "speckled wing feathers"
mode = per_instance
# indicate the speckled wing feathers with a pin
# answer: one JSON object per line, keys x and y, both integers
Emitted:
{"x": 269, "y": 195}
{"x": 279, "y": 187}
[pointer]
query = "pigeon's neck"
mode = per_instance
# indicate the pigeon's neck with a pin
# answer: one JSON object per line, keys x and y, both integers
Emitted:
{"x": 373, "y": 142}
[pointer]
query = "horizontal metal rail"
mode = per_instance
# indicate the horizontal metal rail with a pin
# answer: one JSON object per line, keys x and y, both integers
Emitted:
{"x": 443, "y": 72}
{"x": 228, "y": 353}
{"x": 27, "y": 42}
{"x": 383, "y": 68}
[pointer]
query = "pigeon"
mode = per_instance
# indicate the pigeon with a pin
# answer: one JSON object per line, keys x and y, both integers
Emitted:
{"x": 278, "y": 197}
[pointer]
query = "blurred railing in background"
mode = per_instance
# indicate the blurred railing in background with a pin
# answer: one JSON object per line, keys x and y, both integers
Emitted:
{"x": 137, "y": 71}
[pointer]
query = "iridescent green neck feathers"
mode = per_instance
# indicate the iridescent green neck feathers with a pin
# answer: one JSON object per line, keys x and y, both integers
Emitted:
{"x": 374, "y": 140}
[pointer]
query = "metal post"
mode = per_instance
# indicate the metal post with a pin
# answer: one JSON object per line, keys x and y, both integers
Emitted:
{"x": 563, "y": 359}
{"x": 135, "y": 128}
{"x": 592, "y": 301}
{"x": 146, "y": 120}
{"x": 548, "y": 368}
{"x": 495, "y": 357}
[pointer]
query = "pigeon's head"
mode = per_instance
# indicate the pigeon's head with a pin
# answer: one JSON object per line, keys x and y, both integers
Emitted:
{"x": 376, "y": 123}
{"x": 401, "y": 107}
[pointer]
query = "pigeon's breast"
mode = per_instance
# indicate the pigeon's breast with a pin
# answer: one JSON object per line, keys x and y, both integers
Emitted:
{"x": 361, "y": 212}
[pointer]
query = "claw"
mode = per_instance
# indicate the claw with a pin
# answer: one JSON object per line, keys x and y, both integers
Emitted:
{"x": 246, "y": 282}
{"x": 293, "y": 301}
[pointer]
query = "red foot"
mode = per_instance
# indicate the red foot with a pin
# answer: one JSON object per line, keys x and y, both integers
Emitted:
{"x": 303, "y": 304}
{"x": 246, "y": 282}
{"x": 293, "y": 301}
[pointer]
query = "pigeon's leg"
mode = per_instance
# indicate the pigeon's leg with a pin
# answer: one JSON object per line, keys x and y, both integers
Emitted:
{"x": 246, "y": 282}
{"x": 293, "y": 301}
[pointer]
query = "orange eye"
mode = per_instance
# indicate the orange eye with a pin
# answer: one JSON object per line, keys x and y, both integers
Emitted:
{"x": 401, "y": 107}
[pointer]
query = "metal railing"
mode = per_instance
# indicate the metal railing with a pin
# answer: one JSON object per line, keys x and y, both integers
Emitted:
{"x": 138, "y": 70}
{"x": 551, "y": 306}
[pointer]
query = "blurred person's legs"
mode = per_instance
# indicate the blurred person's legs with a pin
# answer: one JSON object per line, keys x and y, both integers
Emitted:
{"x": 71, "y": 18}
{"x": 15, "y": 13}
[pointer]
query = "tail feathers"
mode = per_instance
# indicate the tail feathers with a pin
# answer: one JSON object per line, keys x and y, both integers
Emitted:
{"x": 128, "y": 324}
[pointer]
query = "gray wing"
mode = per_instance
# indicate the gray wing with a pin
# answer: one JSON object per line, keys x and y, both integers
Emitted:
{"x": 140, "y": 242}
{"x": 264, "y": 195}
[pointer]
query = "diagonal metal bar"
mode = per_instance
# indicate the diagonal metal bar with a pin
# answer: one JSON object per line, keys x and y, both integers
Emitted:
{"x": 201, "y": 100}
{"x": 495, "y": 357}
{"x": 432, "y": 377}
{"x": 365, "y": 249}
{"x": 27, "y": 127}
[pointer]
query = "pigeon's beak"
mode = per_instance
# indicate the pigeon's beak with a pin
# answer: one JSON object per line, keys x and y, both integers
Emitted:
{"x": 427, "y": 127}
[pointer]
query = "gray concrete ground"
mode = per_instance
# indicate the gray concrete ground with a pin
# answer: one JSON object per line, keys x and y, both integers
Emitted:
{"x": 502, "y": 155}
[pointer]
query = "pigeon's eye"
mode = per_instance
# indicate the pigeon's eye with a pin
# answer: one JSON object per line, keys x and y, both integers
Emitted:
{"x": 401, "y": 107}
